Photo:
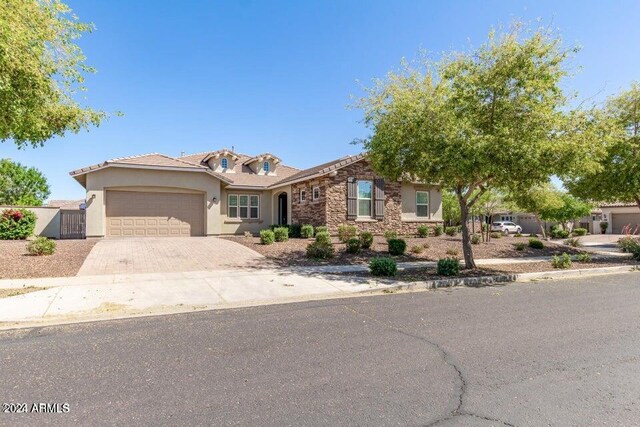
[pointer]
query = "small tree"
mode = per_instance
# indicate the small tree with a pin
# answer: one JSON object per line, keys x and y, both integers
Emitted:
{"x": 487, "y": 206}
{"x": 493, "y": 118}
{"x": 450, "y": 208}
{"x": 20, "y": 185}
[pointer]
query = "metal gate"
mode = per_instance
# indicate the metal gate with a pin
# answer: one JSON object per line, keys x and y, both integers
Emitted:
{"x": 72, "y": 224}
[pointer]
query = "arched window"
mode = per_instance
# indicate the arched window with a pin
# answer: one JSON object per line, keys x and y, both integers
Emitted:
{"x": 224, "y": 163}
{"x": 265, "y": 166}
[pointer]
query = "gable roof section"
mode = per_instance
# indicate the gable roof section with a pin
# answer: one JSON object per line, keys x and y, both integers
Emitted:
{"x": 322, "y": 169}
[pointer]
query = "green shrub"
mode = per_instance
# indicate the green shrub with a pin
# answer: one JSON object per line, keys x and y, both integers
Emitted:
{"x": 579, "y": 231}
{"x": 628, "y": 243}
{"x": 448, "y": 266}
{"x": 320, "y": 250}
{"x": 383, "y": 266}
{"x": 476, "y": 239}
{"x": 346, "y": 232}
{"x": 417, "y": 249}
{"x": 281, "y": 234}
{"x": 603, "y": 227}
{"x": 451, "y": 231}
{"x": 366, "y": 239}
{"x": 397, "y": 246}
{"x": 635, "y": 252}
{"x": 558, "y": 233}
{"x": 437, "y": 230}
{"x": 583, "y": 257}
{"x": 41, "y": 246}
{"x": 16, "y": 224}
{"x": 562, "y": 261}
{"x": 535, "y": 243}
{"x": 323, "y": 237}
{"x": 295, "y": 231}
{"x": 423, "y": 231}
{"x": 267, "y": 237}
{"x": 390, "y": 235}
{"x": 353, "y": 245}
{"x": 321, "y": 228}
{"x": 574, "y": 242}
{"x": 520, "y": 246}
{"x": 496, "y": 235}
{"x": 306, "y": 232}
{"x": 452, "y": 252}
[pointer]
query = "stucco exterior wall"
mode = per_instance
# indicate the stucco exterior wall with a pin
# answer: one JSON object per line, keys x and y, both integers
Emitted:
{"x": 239, "y": 226}
{"x": 608, "y": 212}
{"x": 47, "y": 221}
{"x": 135, "y": 179}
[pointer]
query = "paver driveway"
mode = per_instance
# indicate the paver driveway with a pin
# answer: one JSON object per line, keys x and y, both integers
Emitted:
{"x": 175, "y": 254}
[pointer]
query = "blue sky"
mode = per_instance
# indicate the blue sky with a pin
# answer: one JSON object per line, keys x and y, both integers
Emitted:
{"x": 274, "y": 76}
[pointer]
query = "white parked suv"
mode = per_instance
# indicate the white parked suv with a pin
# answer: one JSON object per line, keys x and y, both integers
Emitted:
{"x": 506, "y": 227}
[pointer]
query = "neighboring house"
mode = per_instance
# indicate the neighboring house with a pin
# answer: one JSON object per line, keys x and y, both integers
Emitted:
{"x": 618, "y": 215}
{"x": 66, "y": 204}
{"x": 527, "y": 221}
{"x": 223, "y": 192}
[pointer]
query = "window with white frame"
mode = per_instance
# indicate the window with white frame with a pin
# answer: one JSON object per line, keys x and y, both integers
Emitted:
{"x": 265, "y": 166}
{"x": 365, "y": 193}
{"x": 303, "y": 196}
{"x": 243, "y": 206}
{"x": 315, "y": 193}
{"x": 422, "y": 204}
{"x": 224, "y": 163}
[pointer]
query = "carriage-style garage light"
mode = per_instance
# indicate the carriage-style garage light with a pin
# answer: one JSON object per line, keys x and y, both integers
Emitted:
{"x": 215, "y": 199}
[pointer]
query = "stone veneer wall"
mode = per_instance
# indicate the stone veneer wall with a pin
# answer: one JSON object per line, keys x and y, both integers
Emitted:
{"x": 331, "y": 208}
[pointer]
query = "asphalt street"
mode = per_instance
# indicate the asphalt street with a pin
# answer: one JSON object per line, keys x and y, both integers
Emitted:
{"x": 544, "y": 353}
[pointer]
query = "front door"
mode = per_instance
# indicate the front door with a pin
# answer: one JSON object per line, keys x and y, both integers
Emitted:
{"x": 282, "y": 209}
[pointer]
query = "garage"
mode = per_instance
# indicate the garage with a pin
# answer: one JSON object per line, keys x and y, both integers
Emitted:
{"x": 620, "y": 220}
{"x": 154, "y": 214}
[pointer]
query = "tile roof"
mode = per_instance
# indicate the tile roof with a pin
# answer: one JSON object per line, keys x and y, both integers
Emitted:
{"x": 65, "y": 204}
{"x": 617, "y": 205}
{"x": 323, "y": 168}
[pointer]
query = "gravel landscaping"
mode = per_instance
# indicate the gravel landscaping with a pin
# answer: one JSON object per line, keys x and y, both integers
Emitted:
{"x": 5, "y": 293}
{"x": 16, "y": 263}
{"x": 293, "y": 252}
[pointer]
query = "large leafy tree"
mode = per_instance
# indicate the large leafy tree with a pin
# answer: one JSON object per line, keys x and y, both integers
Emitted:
{"x": 495, "y": 118}
{"x": 41, "y": 70}
{"x": 617, "y": 126}
{"x": 21, "y": 185}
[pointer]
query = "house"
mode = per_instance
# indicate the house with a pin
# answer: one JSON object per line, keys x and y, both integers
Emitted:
{"x": 223, "y": 192}
{"x": 618, "y": 215}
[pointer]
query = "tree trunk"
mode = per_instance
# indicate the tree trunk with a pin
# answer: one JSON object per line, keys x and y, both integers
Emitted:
{"x": 466, "y": 237}
{"x": 543, "y": 229}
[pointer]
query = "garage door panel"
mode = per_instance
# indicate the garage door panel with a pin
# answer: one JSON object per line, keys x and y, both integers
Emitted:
{"x": 620, "y": 220}
{"x": 142, "y": 214}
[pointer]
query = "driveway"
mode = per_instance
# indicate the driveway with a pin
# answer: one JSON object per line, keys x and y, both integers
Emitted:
{"x": 175, "y": 254}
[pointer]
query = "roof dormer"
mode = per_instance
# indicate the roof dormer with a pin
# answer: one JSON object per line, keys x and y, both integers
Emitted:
{"x": 223, "y": 161}
{"x": 263, "y": 164}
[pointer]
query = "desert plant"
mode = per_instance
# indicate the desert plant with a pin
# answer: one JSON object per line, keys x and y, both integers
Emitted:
{"x": 295, "y": 231}
{"x": 16, "y": 224}
{"x": 451, "y": 231}
{"x": 41, "y": 246}
{"x": 580, "y": 231}
{"x": 248, "y": 234}
{"x": 306, "y": 231}
{"x": 390, "y": 235}
{"x": 397, "y": 246}
{"x": 562, "y": 261}
{"x": 583, "y": 257}
{"x": 281, "y": 234}
{"x": 346, "y": 232}
{"x": 603, "y": 227}
{"x": 354, "y": 245}
{"x": 437, "y": 230}
{"x": 628, "y": 243}
{"x": 321, "y": 228}
{"x": 520, "y": 246}
{"x": 417, "y": 249}
{"x": 517, "y": 235}
{"x": 267, "y": 237}
{"x": 574, "y": 242}
{"x": 425, "y": 245}
{"x": 452, "y": 252}
{"x": 323, "y": 237}
{"x": 383, "y": 266}
{"x": 423, "y": 231}
{"x": 476, "y": 239}
{"x": 535, "y": 243}
{"x": 496, "y": 235}
{"x": 320, "y": 250}
{"x": 448, "y": 266}
{"x": 366, "y": 239}
{"x": 558, "y": 233}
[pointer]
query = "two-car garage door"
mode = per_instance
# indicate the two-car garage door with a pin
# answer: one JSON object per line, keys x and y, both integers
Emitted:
{"x": 620, "y": 220}
{"x": 141, "y": 214}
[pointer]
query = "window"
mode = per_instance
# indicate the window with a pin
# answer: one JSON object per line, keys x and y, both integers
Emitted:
{"x": 364, "y": 198}
{"x": 303, "y": 196}
{"x": 224, "y": 163}
{"x": 265, "y": 166}
{"x": 316, "y": 193}
{"x": 244, "y": 206}
{"x": 422, "y": 204}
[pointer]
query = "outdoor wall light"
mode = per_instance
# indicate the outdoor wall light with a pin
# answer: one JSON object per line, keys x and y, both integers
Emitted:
{"x": 93, "y": 196}
{"x": 215, "y": 199}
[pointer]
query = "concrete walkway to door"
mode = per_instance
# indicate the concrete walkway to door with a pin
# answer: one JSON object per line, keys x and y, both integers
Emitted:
{"x": 168, "y": 254}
